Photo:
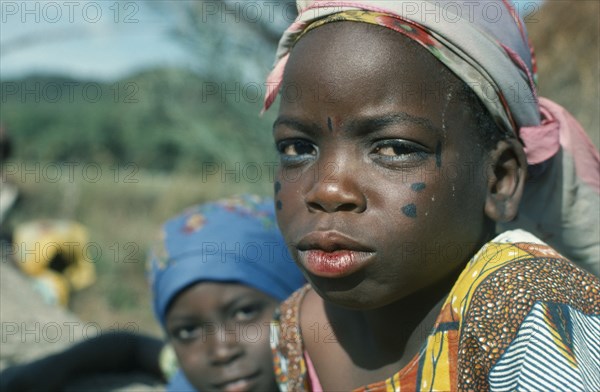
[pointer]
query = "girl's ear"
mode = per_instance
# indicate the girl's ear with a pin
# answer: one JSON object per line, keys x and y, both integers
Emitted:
{"x": 507, "y": 170}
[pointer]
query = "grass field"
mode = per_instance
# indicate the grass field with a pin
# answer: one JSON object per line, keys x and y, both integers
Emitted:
{"x": 123, "y": 209}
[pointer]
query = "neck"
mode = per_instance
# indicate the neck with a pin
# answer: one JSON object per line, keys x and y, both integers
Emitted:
{"x": 412, "y": 318}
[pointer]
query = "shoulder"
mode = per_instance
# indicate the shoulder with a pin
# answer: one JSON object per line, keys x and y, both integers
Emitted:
{"x": 516, "y": 268}
{"x": 555, "y": 348}
{"x": 286, "y": 320}
{"x": 287, "y": 344}
{"x": 514, "y": 281}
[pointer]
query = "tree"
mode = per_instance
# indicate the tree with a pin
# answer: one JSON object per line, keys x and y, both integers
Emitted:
{"x": 233, "y": 40}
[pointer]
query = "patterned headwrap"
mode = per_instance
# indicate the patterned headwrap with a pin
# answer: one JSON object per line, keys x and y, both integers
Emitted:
{"x": 485, "y": 44}
{"x": 233, "y": 240}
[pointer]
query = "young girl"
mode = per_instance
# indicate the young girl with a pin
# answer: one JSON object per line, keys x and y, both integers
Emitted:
{"x": 404, "y": 132}
{"x": 221, "y": 271}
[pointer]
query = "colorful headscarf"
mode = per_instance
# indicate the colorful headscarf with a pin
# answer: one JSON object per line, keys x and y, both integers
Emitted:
{"x": 233, "y": 240}
{"x": 494, "y": 59}
{"x": 485, "y": 44}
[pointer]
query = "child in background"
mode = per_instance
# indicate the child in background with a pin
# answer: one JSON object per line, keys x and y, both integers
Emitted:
{"x": 404, "y": 138}
{"x": 217, "y": 276}
{"x": 220, "y": 275}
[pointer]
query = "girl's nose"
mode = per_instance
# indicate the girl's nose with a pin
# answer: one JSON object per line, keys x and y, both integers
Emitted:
{"x": 224, "y": 346}
{"x": 336, "y": 190}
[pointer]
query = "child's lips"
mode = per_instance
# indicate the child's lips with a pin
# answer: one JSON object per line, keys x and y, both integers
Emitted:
{"x": 331, "y": 254}
{"x": 334, "y": 264}
{"x": 239, "y": 385}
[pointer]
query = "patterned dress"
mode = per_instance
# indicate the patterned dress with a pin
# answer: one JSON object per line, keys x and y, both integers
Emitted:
{"x": 519, "y": 318}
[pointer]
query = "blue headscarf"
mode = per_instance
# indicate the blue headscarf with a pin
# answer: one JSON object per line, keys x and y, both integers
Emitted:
{"x": 232, "y": 240}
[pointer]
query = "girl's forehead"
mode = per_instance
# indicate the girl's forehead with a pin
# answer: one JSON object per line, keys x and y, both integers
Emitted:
{"x": 355, "y": 69}
{"x": 215, "y": 293}
{"x": 344, "y": 54}
{"x": 220, "y": 290}
{"x": 362, "y": 41}
{"x": 209, "y": 297}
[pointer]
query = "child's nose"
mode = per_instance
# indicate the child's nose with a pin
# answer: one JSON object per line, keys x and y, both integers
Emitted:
{"x": 224, "y": 347}
{"x": 336, "y": 189}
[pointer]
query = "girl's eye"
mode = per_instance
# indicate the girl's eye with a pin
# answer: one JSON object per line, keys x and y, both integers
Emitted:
{"x": 294, "y": 149}
{"x": 389, "y": 151}
{"x": 186, "y": 334}
{"x": 398, "y": 151}
{"x": 247, "y": 313}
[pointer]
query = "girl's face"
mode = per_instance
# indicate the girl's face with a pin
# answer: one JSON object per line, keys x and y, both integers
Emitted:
{"x": 220, "y": 333}
{"x": 381, "y": 188}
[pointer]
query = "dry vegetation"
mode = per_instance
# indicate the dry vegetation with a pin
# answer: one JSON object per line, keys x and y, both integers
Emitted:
{"x": 123, "y": 219}
{"x": 566, "y": 35}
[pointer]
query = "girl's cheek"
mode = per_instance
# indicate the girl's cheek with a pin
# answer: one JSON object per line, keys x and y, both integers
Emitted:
{"x": 286, "y": 187}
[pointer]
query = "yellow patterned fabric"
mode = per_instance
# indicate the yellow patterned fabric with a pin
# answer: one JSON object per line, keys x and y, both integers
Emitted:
{"x": 519, "y": 318}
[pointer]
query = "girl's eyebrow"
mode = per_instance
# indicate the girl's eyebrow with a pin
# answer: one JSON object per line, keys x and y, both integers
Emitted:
{"x": 293, "y": 123}
{"x": 240, "y": 301}
{"x": 371, "y": 124}
{"x": 362, "y": 125}
{"x": 183, "y": 318}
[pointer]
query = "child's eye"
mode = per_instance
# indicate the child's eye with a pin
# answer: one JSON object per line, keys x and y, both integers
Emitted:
{"x": 247, "y": 313}
{"x": 187, "y": 333}
{"x": 295, "y": 150}
{"x": 395, "y": 150}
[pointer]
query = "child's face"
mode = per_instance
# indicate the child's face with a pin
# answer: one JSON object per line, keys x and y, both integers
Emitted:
{"x": 220, "y": 332}
{"x": 382, "y": 187}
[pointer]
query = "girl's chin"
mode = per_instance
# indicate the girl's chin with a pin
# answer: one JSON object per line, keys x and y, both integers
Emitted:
{"x": 351, "y": 294}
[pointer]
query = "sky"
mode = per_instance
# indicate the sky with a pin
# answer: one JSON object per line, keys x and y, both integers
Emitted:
{"x": 101, "y": 40}
{"x": 91, "y": 39}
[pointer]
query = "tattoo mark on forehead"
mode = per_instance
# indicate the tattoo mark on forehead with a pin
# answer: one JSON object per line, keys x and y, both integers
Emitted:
{"x": 279, "y": 205}
{"x": 277, "y": 187}
{"x": 329, "y": 124}
{"x": 438, "y": 154}
{"x": 418, "y": 186}
{"x": 410, "y": 210}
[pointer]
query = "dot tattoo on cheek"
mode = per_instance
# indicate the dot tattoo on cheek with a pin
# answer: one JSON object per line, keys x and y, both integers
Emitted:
{"x": 418, "y": 186}
{"x": 277, "y": 187}
{"x": 329, "y": 124}
{"x": 410, "y": 210}
{"x": 279, "y": 205}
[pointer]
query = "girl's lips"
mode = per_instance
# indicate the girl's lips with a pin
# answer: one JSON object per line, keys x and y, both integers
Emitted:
{"x": 237, "y": 386}
{"x": 331, "y": 254}
{"x": 336, "y": 264}
{"x": 240, "y": 385}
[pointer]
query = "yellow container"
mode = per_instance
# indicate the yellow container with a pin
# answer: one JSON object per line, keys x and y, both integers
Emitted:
{"x": 55, "y": 245}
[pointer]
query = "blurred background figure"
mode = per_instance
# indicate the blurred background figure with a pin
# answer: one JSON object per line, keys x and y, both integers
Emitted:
{"x": 217, "y": 273}
{"x": 8, "y": 190}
